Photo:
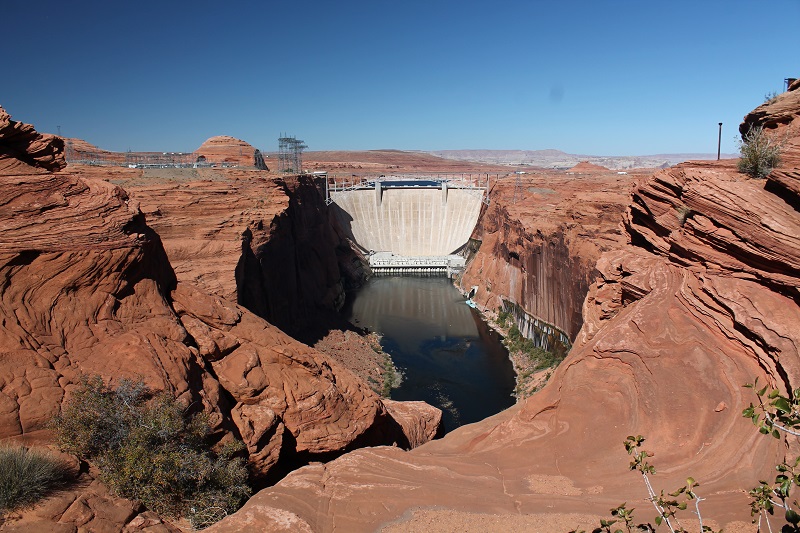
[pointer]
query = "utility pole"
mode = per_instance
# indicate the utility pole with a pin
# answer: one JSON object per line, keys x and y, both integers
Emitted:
{"x": 719, "y": 140}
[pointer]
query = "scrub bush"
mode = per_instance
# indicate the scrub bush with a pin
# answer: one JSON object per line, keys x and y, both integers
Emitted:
{"x": 770, "y": 97}
{"x": 392, "y": 377}
{"x": 760, "y": 152}
{"x": 682, "y": 212}
{"x": 503, "y": 318}
{"x": 541, "y": 358}
{"x": 27, "y": 475}
{"x": 148, "y": 449}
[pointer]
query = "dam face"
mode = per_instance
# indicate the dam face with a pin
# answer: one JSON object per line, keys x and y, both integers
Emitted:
{"x": 409, "y": 220}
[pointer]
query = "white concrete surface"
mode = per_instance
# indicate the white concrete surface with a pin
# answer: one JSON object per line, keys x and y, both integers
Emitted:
{"x": 407, "y": 221}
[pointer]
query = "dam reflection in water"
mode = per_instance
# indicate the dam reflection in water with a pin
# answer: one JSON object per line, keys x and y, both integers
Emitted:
{"x": 448, "y": 356}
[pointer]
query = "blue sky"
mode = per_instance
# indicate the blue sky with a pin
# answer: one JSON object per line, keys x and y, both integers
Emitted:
{"x": 588, "y": 77}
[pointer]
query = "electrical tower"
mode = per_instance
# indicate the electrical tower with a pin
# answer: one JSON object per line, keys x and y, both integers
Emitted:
{"x": 518, "y": 186}
{"x": 290, "y": 154}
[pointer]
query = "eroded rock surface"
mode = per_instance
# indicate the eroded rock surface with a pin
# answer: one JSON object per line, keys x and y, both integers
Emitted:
{"x": 26, "y": 151}
{"x": 86, "y": 288}
{"x": 701, "y": 299}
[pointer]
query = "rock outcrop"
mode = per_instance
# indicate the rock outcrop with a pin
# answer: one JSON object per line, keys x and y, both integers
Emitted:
{"x": 200, "y": 215}
{"x": 26, "y": 151}
{"x": 86, "y": 288}
{"x": 702, "y": 299}
{"x": 780, "y": 118}
{"x": 585, "y": 167}
{"x": 227, "y": 149}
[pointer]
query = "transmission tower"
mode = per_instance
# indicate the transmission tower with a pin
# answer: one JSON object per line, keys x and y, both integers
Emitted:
{"x": 517, "y": 186}
{"x": 290, "y": 154}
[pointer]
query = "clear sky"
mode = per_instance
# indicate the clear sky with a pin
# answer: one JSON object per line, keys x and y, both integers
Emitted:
{"x": 588, "y": 77}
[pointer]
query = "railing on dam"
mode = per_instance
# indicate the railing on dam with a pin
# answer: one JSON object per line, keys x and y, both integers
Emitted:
{"x": 479, "y": 183}
{"x": 388, "y": 263}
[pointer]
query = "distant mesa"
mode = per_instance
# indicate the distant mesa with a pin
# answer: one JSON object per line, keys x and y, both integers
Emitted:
{"x": 584, "y": 167}
{"x": 558, "y": 160}
{"x": 227, "y": 149}
{"x": 81, "y": 148}
{"x": 221, "y": 150}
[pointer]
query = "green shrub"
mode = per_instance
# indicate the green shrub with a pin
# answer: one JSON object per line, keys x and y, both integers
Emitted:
{"x": 541, "y": 358}
{"x": 27, "y": 475}
{"x": 148, "y": 449}
{"x": 392, "y": 378}
{"x": 770, "y": 97}
{"x": 682, "y": 212}
{"x": 98, "y": 419}
{"x": 503, "y": 318}
{"x": 760, "y": 151}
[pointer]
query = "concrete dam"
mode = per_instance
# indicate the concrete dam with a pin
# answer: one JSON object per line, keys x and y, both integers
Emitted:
{"x": 410, "y": 224}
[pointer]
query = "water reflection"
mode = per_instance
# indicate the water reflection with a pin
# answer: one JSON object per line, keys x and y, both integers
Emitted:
{"x": 448, "y": 356}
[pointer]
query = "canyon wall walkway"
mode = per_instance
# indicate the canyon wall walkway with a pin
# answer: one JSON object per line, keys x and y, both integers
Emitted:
{"x": 421, "y": 218}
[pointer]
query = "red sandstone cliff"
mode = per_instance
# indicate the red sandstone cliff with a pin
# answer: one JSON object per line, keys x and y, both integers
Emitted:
{"x": 540, "y": 239}
{"x": 294, "y": 272}
{"x": 265, "y": 241}
{"x": 86, "y": 288}
{"x": 294, "y": 252}
{"x": 702, "y": 299}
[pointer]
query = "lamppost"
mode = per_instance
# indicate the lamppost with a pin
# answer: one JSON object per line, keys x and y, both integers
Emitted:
{"x": 719, "y": 140}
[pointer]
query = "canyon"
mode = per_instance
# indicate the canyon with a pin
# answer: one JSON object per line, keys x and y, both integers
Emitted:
{"x": 693, "y": 295}
{"x": 674, "y": 287}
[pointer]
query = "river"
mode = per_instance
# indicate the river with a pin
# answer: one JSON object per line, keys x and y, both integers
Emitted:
{"x": 448, "y": 356}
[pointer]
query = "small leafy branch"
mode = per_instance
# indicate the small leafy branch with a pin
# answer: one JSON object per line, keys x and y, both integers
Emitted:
{"x": 780, "y": 413}
{"x": 667, "y": 506}
{"x": 624, "y": 515}
{"x": 776, "y": 415}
